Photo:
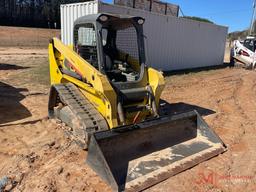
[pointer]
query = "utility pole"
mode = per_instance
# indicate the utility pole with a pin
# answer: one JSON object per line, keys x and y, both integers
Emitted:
{"x": 252, "y": 32}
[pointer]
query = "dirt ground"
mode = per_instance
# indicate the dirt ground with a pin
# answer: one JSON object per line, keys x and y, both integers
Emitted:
{"x": 26, "y": 37}
{"x": 36, "y": 155}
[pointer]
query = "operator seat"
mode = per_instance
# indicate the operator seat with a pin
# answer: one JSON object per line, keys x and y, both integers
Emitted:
{"x": 112, "y": 73}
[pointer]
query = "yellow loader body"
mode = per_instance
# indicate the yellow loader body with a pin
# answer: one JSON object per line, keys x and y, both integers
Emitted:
{"x": 97, "y": 87}
{"x": 102, "y": 89}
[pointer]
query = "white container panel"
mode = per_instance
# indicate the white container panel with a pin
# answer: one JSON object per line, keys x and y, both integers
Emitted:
{"x": 71, "y": 12}
{"x": 174, "y": 43}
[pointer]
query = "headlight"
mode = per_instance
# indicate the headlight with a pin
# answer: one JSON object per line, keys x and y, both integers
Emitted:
{"x": 140, "y": 21}
{"x": 103, "y": 18}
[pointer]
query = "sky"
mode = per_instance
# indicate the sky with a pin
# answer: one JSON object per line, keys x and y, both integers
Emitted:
{"x": 236, "y": 14}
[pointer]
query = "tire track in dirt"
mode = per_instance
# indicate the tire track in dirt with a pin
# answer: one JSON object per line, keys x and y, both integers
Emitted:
{"x": 222, "y": 123}
{"x": 245, "y": 100}
{"x": 222, "y": 92}
{"x": 238, "y": 139}
{"x": 228, "y": 116}
{"x": 227, "y": 163}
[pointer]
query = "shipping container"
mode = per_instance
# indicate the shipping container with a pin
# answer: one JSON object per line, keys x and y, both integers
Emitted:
{"x": 171, "y": 43}
{"x": 70, "y": 12}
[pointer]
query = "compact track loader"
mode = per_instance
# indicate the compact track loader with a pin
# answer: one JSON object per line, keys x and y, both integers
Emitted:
{"x": 103, "y": 90}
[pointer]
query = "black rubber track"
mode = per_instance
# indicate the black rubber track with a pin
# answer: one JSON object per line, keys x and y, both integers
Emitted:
{"x": 77, "y": 113}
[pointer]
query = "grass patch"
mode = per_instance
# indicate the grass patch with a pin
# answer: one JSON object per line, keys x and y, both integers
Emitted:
{"x": 41, "y": 74}
{"x": 35, "y": 72}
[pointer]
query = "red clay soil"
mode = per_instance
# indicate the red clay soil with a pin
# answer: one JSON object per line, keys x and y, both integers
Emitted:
{"x": 36, "y": 155}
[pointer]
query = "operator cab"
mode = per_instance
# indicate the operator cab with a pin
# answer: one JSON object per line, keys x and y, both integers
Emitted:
{"x": 250, "y": 43}
{"x": 114, "y": 45}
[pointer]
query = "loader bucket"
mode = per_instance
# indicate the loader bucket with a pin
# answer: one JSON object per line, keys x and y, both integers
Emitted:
{"x": 133, "y": 158}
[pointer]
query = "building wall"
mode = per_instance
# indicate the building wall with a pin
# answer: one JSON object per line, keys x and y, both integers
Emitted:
{"x": 171, "y": 43}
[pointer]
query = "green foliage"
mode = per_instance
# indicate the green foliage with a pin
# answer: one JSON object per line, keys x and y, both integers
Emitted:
{"x": 198, "y": 19}
{"x": 238, "y": 35}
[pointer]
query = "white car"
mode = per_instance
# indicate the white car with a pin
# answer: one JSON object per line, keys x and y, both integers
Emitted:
{"x": 244, "y": 53}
